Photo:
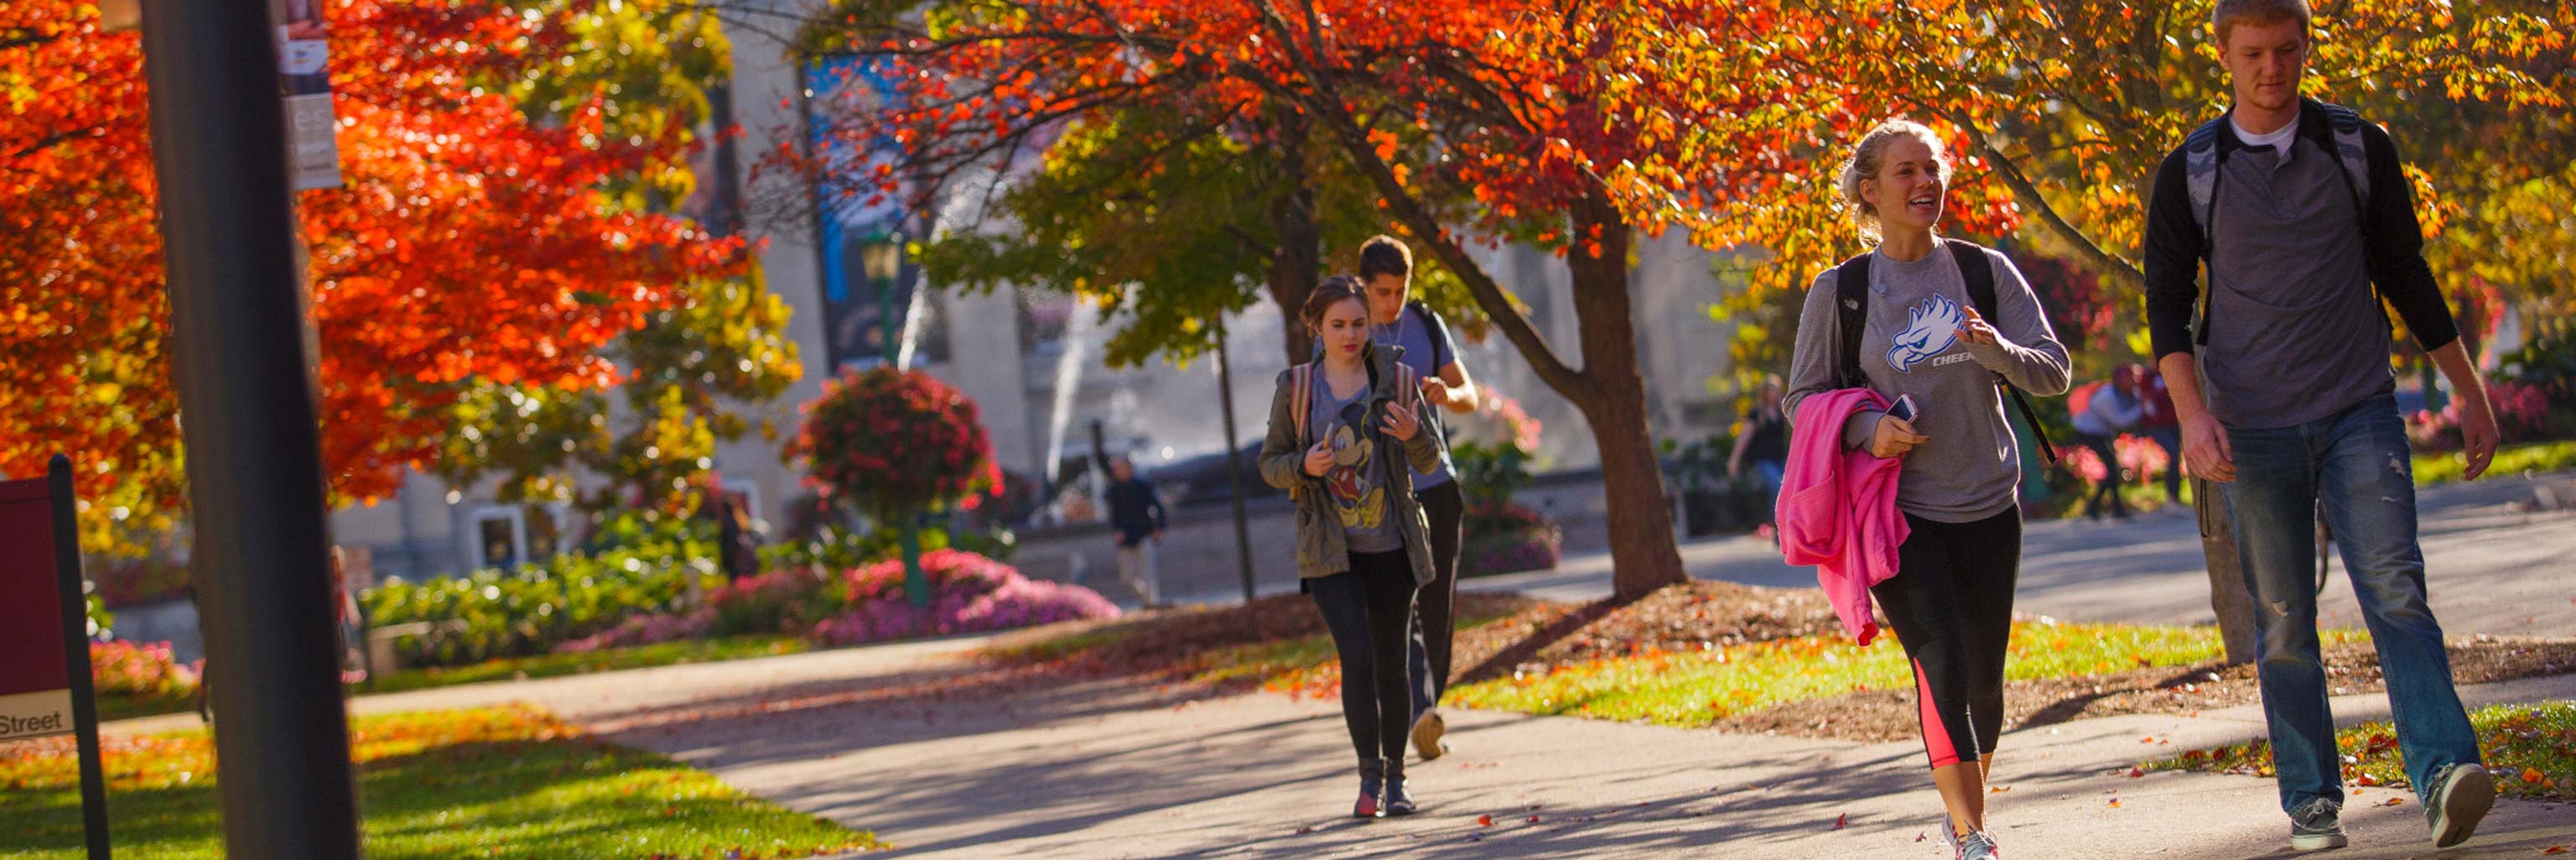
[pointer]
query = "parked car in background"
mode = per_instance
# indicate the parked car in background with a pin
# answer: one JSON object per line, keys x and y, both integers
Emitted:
{"x": 1201, "y": 479}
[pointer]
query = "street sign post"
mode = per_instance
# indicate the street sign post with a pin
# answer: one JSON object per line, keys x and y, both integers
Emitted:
{"x": 45, "y": 685}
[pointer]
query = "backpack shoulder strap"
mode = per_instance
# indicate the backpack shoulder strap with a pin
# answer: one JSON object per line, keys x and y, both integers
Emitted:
{"x": 2345, "y": 125}
{"x": 1851, "y": 309}
{"x": 1301, "y": 399}
{"x": 1432, "y": 328}
{"x": 1979, "y": 272}
{"x": 2201, "y": 157}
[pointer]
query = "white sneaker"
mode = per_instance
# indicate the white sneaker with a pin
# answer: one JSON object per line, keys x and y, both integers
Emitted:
{"x": 1976, "y": 846}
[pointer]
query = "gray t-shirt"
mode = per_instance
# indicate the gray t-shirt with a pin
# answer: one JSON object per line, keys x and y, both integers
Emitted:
{"x": 2295, "y": 334}
{"x": 1412, "y": 331}
{"x": 1355, "y": 487}
{"x": 1970, "y": 468}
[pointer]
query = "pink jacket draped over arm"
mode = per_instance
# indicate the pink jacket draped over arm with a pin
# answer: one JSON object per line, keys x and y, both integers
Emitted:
{"x": 1837, "y": 508}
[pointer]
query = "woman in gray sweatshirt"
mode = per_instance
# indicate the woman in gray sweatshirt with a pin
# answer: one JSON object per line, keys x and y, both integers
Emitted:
{"x": 1950, "y": 601}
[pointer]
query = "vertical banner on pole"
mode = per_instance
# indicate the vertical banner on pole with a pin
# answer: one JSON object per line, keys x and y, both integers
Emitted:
{"x": 304, "y": 77}
{"x": 45, "y": 687}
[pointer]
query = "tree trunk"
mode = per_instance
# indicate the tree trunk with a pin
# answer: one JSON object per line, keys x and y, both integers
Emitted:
{"x": 2228, "y": 596}
{"x": 1296, "y": 260}
{"x": 1642, "y": 552}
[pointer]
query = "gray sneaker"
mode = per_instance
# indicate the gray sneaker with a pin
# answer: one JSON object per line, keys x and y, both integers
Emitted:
{"x": 2461, "y": 795}
{"x": 2317, "y": 826}
{"x": 1976, "y": 846}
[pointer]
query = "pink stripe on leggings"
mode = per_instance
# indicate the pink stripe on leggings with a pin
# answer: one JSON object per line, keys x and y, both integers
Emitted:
{"x": 1936, "y": 734}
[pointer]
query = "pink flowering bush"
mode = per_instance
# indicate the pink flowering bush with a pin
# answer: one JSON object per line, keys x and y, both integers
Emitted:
{"x": 2140, "y": 458}
{"x": 969, "y": 593}
{"x": 645, "y": 630}
{"x": 2521, "y": 413}
{"x": 145, "y": 671}
{"x": 785, "y": 600}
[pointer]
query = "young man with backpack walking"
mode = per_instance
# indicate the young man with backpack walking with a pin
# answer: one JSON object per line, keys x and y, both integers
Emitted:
{"x": 1398, "y": 320}
{"x": 2285, "y": 397}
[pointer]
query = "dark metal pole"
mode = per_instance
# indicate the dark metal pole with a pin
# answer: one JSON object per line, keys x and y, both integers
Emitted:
{"x": 75, "y": 602}
{"x": 1233, "y": 459}
{"x": 916, "y": 584}
{"x": 246, "y": 402}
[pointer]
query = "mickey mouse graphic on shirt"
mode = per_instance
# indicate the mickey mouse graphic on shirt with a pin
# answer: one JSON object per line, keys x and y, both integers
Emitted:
{"x": 1930, "y": 329}
{"x": 1360, "y": 502}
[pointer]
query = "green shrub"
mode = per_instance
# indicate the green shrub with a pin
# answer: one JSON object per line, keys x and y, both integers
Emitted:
{"x": 638, "y": 564}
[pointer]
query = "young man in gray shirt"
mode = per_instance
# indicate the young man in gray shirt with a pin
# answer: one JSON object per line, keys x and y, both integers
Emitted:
{"x": 2300, "y": 208}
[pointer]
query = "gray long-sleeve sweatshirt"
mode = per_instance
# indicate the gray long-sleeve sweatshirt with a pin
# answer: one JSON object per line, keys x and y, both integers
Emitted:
{"x": 1970, "y": 468}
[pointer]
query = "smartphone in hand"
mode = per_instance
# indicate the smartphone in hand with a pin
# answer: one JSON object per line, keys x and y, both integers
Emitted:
{"x": 1903, "y": 408}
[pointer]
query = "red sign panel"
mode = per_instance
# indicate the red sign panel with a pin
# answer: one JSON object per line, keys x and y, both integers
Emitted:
{"x": 35, "y": 692}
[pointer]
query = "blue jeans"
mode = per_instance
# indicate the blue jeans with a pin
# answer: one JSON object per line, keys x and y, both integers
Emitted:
{"x": 2169, "y": 437}
{"x": 2355, "y": 465}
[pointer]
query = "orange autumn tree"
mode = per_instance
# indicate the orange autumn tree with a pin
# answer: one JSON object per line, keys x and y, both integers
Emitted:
{"x": 468, "y": 243}
{"x": 1472, "y": 122}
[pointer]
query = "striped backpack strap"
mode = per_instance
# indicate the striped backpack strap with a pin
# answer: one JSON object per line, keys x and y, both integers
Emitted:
{"x": 2346, "y": 124}
{"x": 1300, "y": 398}
{"x": 2200, "y": 160}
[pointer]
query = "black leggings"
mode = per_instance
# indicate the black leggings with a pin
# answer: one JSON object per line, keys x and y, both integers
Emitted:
{"x": 1435, "y": 617}
{"x": 1368, "y": 608}
{"x": 1950, "y": 604}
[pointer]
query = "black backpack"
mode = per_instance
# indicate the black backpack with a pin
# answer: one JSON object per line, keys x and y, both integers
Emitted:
{"x": 1851, "y": 295}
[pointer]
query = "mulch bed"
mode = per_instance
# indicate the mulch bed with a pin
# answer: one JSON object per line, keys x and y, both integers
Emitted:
{"x": 1685, "y": 617}
{"x": 1889, "y": 715}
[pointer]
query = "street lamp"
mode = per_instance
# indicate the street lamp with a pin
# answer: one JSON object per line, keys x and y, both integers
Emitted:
{"x": 881, "y": 258}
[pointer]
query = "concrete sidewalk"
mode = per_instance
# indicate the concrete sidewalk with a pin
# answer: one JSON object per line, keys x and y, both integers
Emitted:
{"x": 911, "y": 742}
{"x": 926, "y": 748}
{"x": 1104, "y": 770}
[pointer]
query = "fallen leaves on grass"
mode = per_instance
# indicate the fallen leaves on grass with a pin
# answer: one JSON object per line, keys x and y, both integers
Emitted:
{"x": 2530, "y": 749}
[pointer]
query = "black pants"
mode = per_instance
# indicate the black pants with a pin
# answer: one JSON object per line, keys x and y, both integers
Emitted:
{"x": 1435, "y": 617}
{"x": 2109, "y": 486}
{"x": 1950, "y": 604}
{"x": 1367, "y": 608}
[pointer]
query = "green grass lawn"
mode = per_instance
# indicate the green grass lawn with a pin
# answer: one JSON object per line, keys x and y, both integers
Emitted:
{"x": 2445, "y": 466}
{"x": 555, "y": 665}
{"x": 1698, "y": 688}
{"x": 511, "y": 782}
{"x": 2530, "y": 748}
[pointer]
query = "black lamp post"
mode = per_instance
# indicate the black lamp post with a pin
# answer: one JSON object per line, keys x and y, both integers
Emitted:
{"x": 881, "y": 257}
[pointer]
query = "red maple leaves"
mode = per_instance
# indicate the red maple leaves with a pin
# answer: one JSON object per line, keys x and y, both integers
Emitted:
{"x": 470, "y": 240}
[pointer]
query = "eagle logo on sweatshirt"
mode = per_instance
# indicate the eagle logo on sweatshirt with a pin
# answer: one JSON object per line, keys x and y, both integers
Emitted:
{"x": 1930, "y": 328}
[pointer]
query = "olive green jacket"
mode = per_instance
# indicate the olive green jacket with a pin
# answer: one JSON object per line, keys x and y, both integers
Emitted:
{"x": 1321, "y": 550}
